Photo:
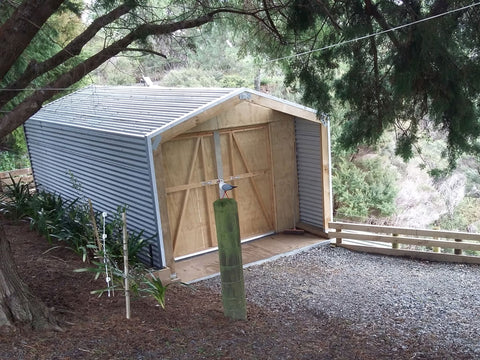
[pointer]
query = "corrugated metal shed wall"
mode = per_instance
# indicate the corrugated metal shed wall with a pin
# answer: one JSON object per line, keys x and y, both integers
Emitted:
{"x": 113, "y": 170}
{"x": 309, "y": 168}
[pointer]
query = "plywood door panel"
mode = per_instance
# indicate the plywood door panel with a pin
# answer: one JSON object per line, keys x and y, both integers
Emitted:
{"x": 191, "y": 187}
{"x": 247, "y": 163}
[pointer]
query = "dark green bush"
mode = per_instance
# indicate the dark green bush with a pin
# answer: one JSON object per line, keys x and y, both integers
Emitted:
{"x": 363, "y": 189}
{"x": 69, "y": 222}
{"x": 15, "y": 200}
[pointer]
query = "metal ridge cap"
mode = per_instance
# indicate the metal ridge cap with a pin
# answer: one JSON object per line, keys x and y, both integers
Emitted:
{"x": 276, "y": 98}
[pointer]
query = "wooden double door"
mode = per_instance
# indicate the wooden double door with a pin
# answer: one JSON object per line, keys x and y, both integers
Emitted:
{"x": 195, "y": 162}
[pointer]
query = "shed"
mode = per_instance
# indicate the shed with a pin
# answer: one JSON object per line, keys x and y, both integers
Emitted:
{"x": 162, "y": 151}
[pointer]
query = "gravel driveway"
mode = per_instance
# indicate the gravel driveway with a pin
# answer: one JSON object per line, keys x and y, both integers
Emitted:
{"x": 404, "y": 308}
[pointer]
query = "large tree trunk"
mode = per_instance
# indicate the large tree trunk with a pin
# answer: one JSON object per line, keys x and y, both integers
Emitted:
{"x": 18, "y": 306}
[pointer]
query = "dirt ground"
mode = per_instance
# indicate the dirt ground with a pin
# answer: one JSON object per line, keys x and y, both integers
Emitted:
{"x": 191, "y": 327}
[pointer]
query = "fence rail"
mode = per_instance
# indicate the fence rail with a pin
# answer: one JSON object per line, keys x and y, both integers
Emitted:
{"x": 20, "y": 175}
{"x": 389, "y": 240}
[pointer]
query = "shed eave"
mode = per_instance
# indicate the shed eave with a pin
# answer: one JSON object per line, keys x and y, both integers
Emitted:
{"x": 253, "y": 96}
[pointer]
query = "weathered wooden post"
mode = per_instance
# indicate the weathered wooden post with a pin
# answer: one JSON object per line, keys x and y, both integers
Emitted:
{"x": 338, "y": 241}
{"x": 395, "y": 244}
{"x": 230, "y": 255}
{"x": 458, "y": 251}
{"x": 435, "y": 249}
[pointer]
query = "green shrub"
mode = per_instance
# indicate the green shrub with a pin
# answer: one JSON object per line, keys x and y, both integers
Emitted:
{"x": 11, "y": 161}
{"x": 15, "y": 200}
{"x": 465, "y": 215}
{"x": 154, "y": 287}
{"x": 363, "y": 189}
{"x": 69, "y": 222}
{"x": 46, "y": 213}
{"x": 114, "y": 241}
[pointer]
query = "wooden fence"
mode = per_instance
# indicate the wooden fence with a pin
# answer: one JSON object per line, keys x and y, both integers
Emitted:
{"x": 415, "y": 243}
{"x": 23, "y": 175}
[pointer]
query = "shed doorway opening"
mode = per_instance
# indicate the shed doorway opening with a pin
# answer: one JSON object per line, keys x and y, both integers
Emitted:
{"x": 192, "y": 178}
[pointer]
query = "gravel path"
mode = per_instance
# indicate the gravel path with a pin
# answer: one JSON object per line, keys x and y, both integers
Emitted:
{"x": 408, "y": 308}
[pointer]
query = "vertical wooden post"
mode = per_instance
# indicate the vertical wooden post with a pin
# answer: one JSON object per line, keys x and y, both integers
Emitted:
{"x": 339, "y": 238}
{"x": 230, "y": 256}
{"x": 435, "y": 249}
{"x": 325, "y": 166}
{"x": 125, "y": 265}
{"x": 458, "y": 251}
{"x": 395, "y": 244}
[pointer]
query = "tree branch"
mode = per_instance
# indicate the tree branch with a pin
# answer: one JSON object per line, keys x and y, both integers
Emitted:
{"x": 272, "y": 26}
{"x": 74, "y": 48}
{"x": 17, "y": 32}
{"x": 34, "y": 102}
{"x": 329, "y": 14}
{"x": 149, "y": 51}
{"x": 372, "y": 10}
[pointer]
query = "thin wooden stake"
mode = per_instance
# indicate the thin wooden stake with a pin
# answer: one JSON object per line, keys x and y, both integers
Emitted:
{"x": 94, "y": 224}
{"x": 125, "y": 264}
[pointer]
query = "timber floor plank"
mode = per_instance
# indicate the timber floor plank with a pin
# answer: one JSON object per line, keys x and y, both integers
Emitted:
{"x": 201, "y": 266}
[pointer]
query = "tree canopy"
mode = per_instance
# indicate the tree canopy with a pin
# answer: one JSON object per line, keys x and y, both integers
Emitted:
{"x": 407, "y": 65}
{"x": 126, "y": 25}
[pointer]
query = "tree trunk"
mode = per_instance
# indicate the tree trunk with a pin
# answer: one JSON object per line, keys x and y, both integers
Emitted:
{"x": 18, "y": 306}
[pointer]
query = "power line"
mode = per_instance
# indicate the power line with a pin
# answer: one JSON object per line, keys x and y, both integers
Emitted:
{"x": 375, "y": 34}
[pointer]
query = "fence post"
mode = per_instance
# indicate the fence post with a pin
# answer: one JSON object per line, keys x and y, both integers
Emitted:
{"x": 395, "y": 244}
{"x": 339, "y": 238}
{"x": 230, "y": 256}
{"x": 458, "y": 251}
{"x": 435, "y": 249}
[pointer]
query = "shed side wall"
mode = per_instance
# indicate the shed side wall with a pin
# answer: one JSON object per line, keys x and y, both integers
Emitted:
{"x": 309, "y": 168}
{"x": 112, "y": 170}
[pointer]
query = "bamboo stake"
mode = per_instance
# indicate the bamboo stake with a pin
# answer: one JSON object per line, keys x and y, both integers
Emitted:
{"x": 94, "y": 223}
{"x": 125, "y": 264}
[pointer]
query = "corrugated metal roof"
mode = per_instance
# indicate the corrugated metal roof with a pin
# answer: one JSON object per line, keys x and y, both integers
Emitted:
{"x": 132, "y": 110}
{"x": 136, "y": 110}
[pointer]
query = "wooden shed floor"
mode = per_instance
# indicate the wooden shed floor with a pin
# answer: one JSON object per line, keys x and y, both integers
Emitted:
{"x": 202, "y": 266}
